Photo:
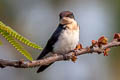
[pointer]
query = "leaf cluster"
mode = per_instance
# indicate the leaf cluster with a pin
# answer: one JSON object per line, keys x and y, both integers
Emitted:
{"x": 15, "y": 38}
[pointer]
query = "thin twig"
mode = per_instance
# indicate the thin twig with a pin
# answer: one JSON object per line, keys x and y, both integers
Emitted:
{"x": 54, "y": 58}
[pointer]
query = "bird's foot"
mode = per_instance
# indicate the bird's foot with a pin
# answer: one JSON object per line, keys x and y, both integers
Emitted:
{"x": 65, "y": 57}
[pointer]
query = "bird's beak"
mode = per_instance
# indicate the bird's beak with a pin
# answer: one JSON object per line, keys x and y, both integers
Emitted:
{"x": 66, "y": 20}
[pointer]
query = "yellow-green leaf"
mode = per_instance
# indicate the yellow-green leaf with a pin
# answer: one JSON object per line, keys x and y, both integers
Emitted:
{"x": 0, "y": 42}
{"x": 17, "y": 36}
{"x": 16, "y": 44}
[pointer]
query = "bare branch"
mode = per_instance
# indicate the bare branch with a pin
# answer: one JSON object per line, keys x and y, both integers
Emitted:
{"x": 54, "y": 58}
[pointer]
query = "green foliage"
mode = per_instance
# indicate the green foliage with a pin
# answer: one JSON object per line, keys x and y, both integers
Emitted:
{"x": 0, "y": 42}
{"x": 17, "y": 36}
{"x": 11, "y": 35}
{"x": 16, "y": 44}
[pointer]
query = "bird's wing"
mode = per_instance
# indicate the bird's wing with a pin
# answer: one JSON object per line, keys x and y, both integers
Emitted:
{"x": 49, "y": 47}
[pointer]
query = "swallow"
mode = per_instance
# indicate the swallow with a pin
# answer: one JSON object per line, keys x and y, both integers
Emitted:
{"x": 64, "y": 39}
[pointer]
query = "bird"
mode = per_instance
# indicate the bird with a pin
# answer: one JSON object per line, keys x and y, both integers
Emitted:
{"x": 64, "y": 39}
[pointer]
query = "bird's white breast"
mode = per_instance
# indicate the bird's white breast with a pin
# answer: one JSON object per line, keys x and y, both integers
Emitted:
{"x": 67, "y": 41}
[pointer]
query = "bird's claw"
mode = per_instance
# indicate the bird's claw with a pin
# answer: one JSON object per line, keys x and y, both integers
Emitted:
{"x": 65, "y": 57}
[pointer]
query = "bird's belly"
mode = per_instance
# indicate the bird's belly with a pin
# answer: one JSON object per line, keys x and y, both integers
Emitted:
{"x": 66, "y": 42}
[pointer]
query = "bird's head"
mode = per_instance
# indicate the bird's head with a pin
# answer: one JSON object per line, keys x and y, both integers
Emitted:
{"x": 66, "y": 14}
{"x": 66, "y": 17}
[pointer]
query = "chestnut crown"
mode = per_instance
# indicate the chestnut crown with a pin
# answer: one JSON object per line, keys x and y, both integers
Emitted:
{"x": 66, "y": 14}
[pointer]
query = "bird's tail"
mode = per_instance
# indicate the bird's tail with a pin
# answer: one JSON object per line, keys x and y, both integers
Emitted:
{"x": 42, "y": 68}
{"x": 42, "y": 55}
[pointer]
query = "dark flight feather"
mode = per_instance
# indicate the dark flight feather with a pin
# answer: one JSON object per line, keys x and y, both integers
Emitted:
{"x": 49, "y": 47}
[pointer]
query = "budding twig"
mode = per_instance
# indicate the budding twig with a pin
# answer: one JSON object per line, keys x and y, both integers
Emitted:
{"x": 98, "y": 46}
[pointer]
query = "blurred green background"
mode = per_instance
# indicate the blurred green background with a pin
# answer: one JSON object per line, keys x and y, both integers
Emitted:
{"x": 38, "y": 19}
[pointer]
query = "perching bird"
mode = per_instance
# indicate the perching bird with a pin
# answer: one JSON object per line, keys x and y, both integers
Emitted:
{"x": 64, "y": 39}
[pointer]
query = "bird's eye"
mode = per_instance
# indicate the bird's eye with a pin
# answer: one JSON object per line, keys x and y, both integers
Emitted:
{"x": 70, "y": 16}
